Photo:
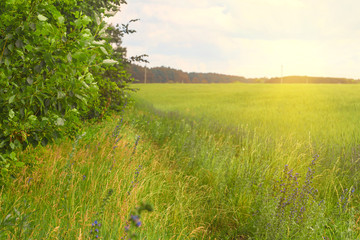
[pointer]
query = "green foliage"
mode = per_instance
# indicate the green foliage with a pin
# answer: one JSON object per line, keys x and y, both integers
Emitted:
{"x": 53, "y": 55}
{"x": 20, "y": 219}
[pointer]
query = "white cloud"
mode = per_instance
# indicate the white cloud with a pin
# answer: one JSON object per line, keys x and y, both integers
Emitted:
{"x": 248, "y": 37}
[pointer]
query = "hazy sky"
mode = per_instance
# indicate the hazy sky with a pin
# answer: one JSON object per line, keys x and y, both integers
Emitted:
{"x": 251, "y": 38}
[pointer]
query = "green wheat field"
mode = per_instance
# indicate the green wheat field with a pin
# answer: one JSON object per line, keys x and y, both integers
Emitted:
{"x": 211, "y": 161}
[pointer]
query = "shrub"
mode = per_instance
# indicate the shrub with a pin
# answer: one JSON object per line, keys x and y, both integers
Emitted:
{"x": 53, "y": 55}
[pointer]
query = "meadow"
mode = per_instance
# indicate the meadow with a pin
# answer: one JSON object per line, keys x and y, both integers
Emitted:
{"x": 267, "y": 133}
{"x": 224, "y": 161}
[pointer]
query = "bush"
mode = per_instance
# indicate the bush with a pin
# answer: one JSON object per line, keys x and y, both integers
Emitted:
{"x": 52, "y": 59}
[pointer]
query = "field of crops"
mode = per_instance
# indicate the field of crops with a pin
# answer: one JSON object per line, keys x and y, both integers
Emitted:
{"x": 284, "y": 158}
{"x": 321, "y": 112}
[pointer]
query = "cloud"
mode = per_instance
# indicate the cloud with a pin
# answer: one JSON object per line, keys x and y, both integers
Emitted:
{"x": 248, "y": 37}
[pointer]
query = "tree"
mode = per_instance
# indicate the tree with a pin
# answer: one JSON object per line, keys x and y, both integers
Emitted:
{"x": 53, "y": 59}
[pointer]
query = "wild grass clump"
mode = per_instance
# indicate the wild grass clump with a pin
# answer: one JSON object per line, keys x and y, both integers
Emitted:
{"x": 289, "y": 209}
{"x": 294, "y": 197}
{"x": 94, "y": 188}
{"x": 65, "y": 193}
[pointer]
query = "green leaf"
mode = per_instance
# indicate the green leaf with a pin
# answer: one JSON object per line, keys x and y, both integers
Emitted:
{"x": 29, "y": 80}
{"x": 60, "y": 122}
{"x": 19, "y": 43}
{"x": 81, "y": 98}
{"x": 86, "y": 20}
{"x": 99, "y": 43}
{"x": 29, "y": 47}
{"x": 92, "y": 58}
{"x": 32, "y": 118}
{"x": 7, "y": 61}
{"x": 68, "y": 57}
{"x": 76, "y": 14}
{"x": 42, "y": 18}
{"x": 19, "y": 164}
{"x": 11, "y": 47}
{"x": 13, "y": 156}
{"x": 104, "y": 50}
{"x": 89, "y": 78}
{"x": 60, "y": 95}
{"x": 11, "y": 99}
{"x": 32, "y": 26}
{"x": 9, "y": 36}
{"x": 80, "y": 56}
{"x": 61, "y": 19}
{"x": 41, "y": 101}
{"x": 21, "y": 54}
{"x": 11, "y": 113}
{"x": 85, "y": 84}
{"x": 97, "y": 19}
{"x": 109, "y": 62}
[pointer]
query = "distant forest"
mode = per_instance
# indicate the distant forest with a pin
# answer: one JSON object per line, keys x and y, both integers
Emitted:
{"x": 170, "y": 75}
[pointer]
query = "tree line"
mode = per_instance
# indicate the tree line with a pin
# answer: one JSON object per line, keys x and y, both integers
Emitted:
{"x": 171, "y": 75}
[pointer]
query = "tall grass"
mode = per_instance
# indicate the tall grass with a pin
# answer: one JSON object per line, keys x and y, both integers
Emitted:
{"x": 205, "y": 177}
{"x": 94, "y": 187}
{"x": 243, "y": 164}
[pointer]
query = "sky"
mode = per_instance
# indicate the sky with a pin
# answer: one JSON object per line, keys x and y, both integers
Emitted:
{"x": 250, "y": 38}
